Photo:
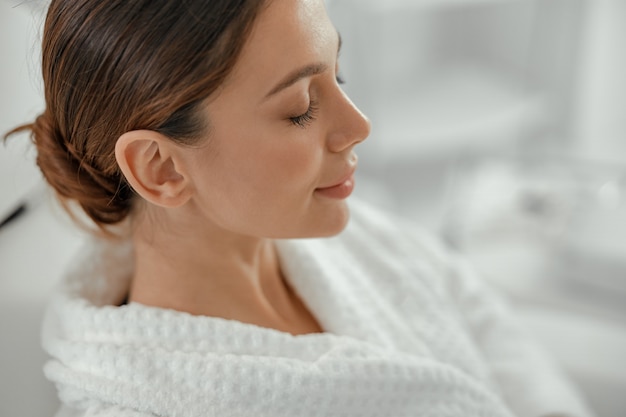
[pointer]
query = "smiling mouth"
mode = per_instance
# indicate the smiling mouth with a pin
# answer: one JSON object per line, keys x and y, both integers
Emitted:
{"x": 340, "y": 190}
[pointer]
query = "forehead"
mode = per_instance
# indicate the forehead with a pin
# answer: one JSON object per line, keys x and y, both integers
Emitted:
{"x": 287, "y": 34}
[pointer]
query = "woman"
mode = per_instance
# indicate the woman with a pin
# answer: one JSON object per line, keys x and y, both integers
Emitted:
{"x": 204, "y": 138}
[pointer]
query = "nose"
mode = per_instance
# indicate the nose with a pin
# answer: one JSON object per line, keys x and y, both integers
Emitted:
{"x": 351, "y": 126}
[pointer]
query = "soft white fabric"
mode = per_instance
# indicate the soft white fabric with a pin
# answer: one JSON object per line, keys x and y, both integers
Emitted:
{"x": 409, "y": 331}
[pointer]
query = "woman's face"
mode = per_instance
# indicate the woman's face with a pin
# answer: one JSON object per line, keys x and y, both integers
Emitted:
{"x": 280, "y": 156}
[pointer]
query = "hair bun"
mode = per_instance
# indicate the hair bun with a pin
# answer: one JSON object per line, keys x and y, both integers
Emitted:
{"x": 105, "y": 198}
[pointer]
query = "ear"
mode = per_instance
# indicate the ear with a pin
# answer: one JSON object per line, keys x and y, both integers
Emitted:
{"x": 150, "y": 163}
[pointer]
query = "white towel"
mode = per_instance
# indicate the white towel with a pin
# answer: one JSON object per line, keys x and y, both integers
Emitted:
{"x": 408, "y": 332}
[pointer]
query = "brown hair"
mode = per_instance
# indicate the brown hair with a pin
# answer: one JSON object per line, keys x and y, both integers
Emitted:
{"x": 113, "y": 66}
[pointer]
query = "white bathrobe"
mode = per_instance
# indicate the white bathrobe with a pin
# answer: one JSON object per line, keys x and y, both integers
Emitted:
{"x": 409, "y": 331}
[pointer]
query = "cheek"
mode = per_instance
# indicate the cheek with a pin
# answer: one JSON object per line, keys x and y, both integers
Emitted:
{"x": 295, "y": 165}
{"x": 282, "y": 164}
{"x": 262, "y": 184}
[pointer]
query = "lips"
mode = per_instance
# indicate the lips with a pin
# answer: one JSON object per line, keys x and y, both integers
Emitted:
{"x": 340, "y": 189}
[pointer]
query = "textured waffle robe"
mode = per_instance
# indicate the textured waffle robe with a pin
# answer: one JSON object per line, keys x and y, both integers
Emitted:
{"x": 409, "y": 331}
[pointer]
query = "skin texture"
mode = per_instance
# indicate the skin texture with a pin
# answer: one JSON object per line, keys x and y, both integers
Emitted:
{"x": 203, "y": 230}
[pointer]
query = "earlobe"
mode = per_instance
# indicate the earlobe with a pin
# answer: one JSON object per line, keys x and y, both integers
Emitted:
{"x": 149, "y": 163}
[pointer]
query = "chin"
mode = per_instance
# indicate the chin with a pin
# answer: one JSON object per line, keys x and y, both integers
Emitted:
{"x": 324, "y": 220}
{"x": 335, "y": 221}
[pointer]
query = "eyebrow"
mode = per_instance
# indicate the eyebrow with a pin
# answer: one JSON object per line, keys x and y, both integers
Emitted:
{"x": 304, "y": 72}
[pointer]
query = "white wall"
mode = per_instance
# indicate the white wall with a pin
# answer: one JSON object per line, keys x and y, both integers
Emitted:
{"x": 601, "y": 111}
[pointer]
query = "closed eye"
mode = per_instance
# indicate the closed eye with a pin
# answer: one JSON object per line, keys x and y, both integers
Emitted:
{"x": 307, "y": 117}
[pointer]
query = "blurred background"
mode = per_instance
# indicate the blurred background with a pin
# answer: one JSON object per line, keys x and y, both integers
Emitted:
{"x": 499, "y": 125}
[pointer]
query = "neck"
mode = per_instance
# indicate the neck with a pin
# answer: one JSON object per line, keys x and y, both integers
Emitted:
{"x": 205, "y": 270}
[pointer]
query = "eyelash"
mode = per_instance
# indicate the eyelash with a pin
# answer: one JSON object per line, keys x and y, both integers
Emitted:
{"x": 307, "y": 117}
